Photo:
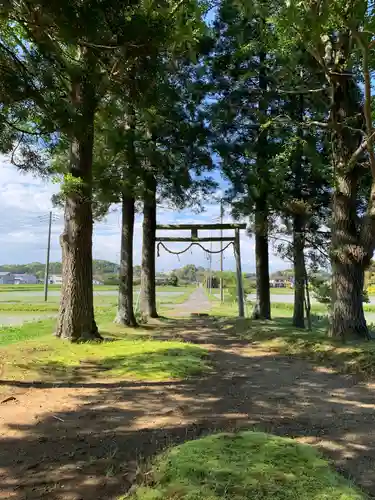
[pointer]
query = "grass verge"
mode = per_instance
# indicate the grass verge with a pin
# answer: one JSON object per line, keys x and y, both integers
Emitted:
{"x": 31, "y": 353}
{"x": 278, "y": 335}
{"x": 13, "y": 334}
{"x": 33, "y": 307}
{"x": 243, "y": 466}
{"x": 357, "y": 358}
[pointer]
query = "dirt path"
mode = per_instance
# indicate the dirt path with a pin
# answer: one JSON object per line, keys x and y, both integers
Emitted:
{"x": 196, "y": 303}
{"x": 87, "y": 441}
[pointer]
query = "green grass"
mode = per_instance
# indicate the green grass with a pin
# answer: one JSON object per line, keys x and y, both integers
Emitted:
{"x": 278, "y": 335}
{"x": 40, "y": 287}
{"x": 26, "y": 288}
{"x": 13, "y": 334}
{"x": 31, "y": 307}
{"x": 31, "y": 353}
{"x": 97, "y": 288}
{"x": 282, "y": 291}
{"x": 243, "y": 466}
{"x": 31, "y": 304}
{"x": 230, "y": 307}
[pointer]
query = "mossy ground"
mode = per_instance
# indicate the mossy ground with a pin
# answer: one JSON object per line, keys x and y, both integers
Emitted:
{"x": 243, "y": 466}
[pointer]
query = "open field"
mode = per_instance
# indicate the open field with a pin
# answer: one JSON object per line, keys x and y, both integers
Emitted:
{"x": 280, "y": 301}
{"x": 27, "y": 301}
{"x": 97, "y": 288}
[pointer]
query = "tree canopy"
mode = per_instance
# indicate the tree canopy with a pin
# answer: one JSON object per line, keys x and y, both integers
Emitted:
{"x": 136, "y": 103}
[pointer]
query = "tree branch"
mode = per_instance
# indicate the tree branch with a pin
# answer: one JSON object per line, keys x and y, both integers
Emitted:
{"x": 317, "y": 248}
{"x": 177, "y": 6}
{"x": 360, "y": 150}
{"x": 301, "y": 91}
{"x": 367, "y": 103}
{"x": 12, "y": 125}
{"x": 317, "y": 124}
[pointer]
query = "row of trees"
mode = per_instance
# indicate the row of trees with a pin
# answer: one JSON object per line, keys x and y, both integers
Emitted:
{"x": 291, "y": 109}
{"x": 134, "y": 102}
{"x": 96, "y": 93}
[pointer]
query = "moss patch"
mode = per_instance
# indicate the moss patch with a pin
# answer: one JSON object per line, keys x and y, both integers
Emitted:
{"x": 243, "y": 466}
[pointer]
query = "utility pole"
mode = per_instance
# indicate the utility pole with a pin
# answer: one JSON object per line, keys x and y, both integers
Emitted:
{"x": 46, "y": 274}
{"x": 221, "y": 254}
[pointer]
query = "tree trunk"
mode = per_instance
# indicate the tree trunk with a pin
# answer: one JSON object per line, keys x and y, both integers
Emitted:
{"x": 347, "y": 260}
{"x": 348, "y": 257}
{"x": 76, "y": 320}
{"x": 299, "y": 273}
{"x": 148, "y": 289}
{"x": 348, "y": 319}
{"x": 76, "y": 317}
{"x": 125, "y": 313}
{"x": 298, "y": 216}
{"x": 262, "y": 308}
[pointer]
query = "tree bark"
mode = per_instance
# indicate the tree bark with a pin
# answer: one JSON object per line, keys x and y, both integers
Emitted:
{"x": 299, "y": 273}
{"x": 348, "y": 263}
{"x": 298, "y": 217}
{"x": 148, "y": 288}
{"x": 76, "y": 317}
{"x": 348, "y": 255}
{"x": 262, "y": 308}
{"x": 125, "y": 313}
{"x": 347, "y": 319}
{"x": 76, "y": 320}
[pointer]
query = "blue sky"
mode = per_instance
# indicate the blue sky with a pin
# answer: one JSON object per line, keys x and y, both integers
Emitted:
{"x": 26, "y": 200}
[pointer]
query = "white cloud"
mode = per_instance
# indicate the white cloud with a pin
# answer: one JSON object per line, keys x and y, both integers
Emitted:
{"x": 25, "y": 202}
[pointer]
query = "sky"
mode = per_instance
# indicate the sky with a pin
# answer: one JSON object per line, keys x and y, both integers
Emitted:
{"x": 25, "y": 202}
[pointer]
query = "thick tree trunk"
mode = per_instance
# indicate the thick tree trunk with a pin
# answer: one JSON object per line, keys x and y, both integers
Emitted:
{"x": 299, "y": 273}
{"x": 348, "y": 264}
{"x": 348, "y": 257}
{"x": 148, "y": 288}
{"x": 348, "y": 319}
{"x": 76, "y": 320}
{"x": 262, "y": 308}
{"x": 125, "y": 313}
{"x": 76, "y": 317}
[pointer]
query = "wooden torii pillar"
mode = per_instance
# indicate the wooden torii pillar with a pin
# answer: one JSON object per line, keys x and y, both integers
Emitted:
{"x": 194, "y": 238}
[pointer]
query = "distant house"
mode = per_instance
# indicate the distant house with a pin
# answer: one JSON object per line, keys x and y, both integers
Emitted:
{"x": 281, "y": 282}
{"x": 25, "y": 279}
{"x": 55, "y": 279}
{"x": 6, "y": 278}
{"x": 161, "y": 281}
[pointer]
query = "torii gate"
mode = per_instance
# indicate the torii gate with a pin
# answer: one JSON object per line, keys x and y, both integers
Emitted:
{"x": 194, "y": 239}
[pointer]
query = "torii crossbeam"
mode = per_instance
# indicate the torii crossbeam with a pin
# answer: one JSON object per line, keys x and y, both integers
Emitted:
{"x": 194, "y": 238}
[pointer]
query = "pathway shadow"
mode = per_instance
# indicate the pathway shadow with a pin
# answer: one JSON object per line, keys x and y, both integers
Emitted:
{"x": 95, "y": 450}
